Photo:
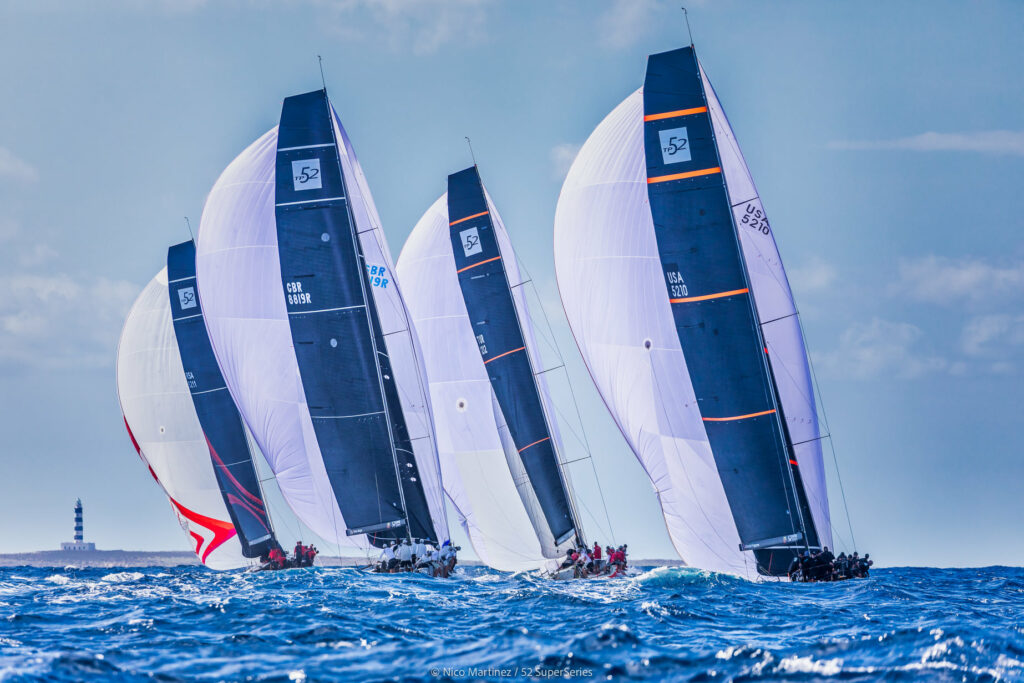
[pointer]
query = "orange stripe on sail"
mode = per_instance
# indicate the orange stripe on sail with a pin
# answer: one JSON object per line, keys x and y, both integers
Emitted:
{"x": 680, "y": 176}
{"x": 478, "y": 263}
{"x": 705, "y": 297}
{"x": 738, "y": 417}
{"x": 534, "y": 444}
{"x": 673, "y": 114}
{"x": 461, "y": 220}
{"x": 503, "y": 355}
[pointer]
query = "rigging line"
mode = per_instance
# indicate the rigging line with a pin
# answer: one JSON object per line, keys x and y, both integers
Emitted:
{"x": 688, "y": 31}
{"x": 575, "y": 403}
{"x": 817, "y": 438}
{"x": 828, "y": 428}
{"x": 188, "y": 225}
{"x": 548, "y": 370}
{"x": 471, "y": 155}
{"x": 781, "y": 317}
{"x": 320, "y": 62}
{"x": 810, "y": 401}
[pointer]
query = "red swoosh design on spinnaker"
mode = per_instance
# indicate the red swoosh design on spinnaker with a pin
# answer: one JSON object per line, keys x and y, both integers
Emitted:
{"x": 222, "y": 531}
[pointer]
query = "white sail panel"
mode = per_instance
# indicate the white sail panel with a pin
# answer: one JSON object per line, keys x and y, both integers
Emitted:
{"x": 778, "y": 315}
{"x": 612, "y": 288}
{"x": 239, "y": 276}
{"x": 399, "y": 333}
{"x": 473, "y": 459}
{"x": 162, "y": 422}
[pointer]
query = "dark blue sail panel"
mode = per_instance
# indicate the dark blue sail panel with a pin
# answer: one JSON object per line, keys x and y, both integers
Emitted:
{"x": 339, "y": 346}
{"x": 217, "y": 413}
{"x": 713, "y": 308}
{"x": 491, "y": 309}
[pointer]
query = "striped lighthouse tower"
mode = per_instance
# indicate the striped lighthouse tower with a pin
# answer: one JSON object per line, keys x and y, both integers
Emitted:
{"x": 79, "y": 529}
{"x": 79, "y": 542}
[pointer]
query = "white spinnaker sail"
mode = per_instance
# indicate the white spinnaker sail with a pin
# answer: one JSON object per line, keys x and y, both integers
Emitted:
{"x": 239, "y": 275}
{"x": 162, "y": 422}
{"x": 613, "y": 291}
{"x": 777, "y": 312}
{"x": 473, "y": 459}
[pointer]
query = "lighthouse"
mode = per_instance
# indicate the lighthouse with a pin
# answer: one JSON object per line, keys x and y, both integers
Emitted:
{"x": 79, "y": 542}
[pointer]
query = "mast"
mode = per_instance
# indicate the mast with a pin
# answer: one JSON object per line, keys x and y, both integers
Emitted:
{"x": 776, "y": 404}
{"x": 219, "y": 419}
{"x": 368, "y": 299}
{"x": 536, "y": 386}
{"x": 499, "y": 331}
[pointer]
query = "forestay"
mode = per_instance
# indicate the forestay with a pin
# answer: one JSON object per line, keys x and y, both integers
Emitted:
{"x": 162, "y": 424}
{"x": 219, "y": 418}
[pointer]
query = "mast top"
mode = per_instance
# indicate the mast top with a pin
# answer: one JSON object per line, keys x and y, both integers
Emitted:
{"x": 686, "y": 15}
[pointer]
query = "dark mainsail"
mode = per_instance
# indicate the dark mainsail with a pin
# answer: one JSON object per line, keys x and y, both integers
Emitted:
{"x": 339, "y": 345}
{"x": 492, "y": 312}
{"x": 715, "y": 315}
{"x": 217, "y": 413}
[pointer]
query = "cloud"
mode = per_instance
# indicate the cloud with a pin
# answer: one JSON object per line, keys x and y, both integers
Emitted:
{"x": 813, "y": 276}
{"x": 36, "y": 255}
{"x": 993, "y": 336}
{"x": 880, "y": 348}
{"x": 423, "y": 26}
{"x": 562, "y": 157}
{"x": 987, "y": 142}
{"x": 941, "y": 280}
{"x": 626, "y": 22}
{"x": 14, "y": 168}
{"x": 56, "y": 321}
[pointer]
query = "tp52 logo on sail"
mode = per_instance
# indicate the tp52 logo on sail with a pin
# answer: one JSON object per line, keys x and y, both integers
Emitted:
{"x": 306, "y": 174}
{"x": 675, "y": 145}
{"x": 187, "y": 297}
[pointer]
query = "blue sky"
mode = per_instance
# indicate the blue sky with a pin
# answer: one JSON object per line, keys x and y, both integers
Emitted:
{"x": 887, "y": 143}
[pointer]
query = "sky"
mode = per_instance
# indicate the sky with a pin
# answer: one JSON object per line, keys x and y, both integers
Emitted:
{"x": 886, "y": 140}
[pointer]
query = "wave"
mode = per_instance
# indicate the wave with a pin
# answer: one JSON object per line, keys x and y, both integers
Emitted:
{"x": 665, "y": 623}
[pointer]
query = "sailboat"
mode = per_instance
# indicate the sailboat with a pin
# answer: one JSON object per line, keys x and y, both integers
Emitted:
{"x": 674, "y": 289}
{"x": 160, "y": 413}
{"x": 218, "y": 416}
{"x": 311, "y": 332}
{"x": 498, "y": 437}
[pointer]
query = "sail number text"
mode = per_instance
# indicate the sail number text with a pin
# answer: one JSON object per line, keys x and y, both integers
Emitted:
{"x": 377, "y": 276}
{"x": 676, "y": 286}
{"x": 295, "y": 293}
{"x": 754, "y": 217}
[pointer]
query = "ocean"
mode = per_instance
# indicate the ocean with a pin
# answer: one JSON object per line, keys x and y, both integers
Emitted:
{"x": 323, "y": 624}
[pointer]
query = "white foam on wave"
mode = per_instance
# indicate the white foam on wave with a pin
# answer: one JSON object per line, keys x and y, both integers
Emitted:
{"x": 122, "y": 577}
{"x": 796, "y": 664}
